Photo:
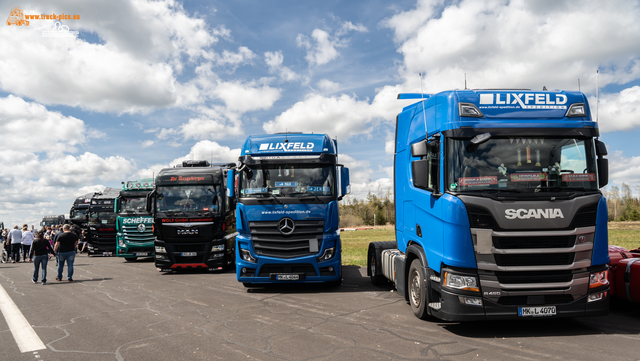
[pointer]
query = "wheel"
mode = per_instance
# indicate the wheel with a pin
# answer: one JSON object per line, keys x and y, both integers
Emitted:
{"x": 375, "y": 279}
{"x": 417, "y": 290}
{"x": 132, "y": 259}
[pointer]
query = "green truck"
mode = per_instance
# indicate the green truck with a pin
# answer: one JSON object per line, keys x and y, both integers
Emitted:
{"x": 134, "y": 225}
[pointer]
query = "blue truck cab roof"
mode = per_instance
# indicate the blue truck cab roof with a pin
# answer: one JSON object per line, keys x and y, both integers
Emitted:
{"x": 508, "y": 108}
{"x": 281, "y": 144}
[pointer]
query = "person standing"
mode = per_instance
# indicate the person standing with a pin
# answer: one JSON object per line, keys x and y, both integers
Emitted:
{"x": 27, "y": 239}
{"x": 40, "y": 248}
{"x": 65, "y": 247}
{"x": 15, "y": 236}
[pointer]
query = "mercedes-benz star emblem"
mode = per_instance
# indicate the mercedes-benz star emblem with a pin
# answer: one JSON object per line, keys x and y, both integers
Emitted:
{"x": 141, "y": 227}
{"x": 286, "y": 226}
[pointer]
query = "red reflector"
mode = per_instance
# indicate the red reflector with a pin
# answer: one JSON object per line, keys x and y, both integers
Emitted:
{"x": 224, "y": 226}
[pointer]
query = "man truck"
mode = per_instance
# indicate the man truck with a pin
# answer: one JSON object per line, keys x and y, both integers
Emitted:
{"x": 101, "y": 219}
{"x": 289, "y": 186}
{"x": 194, "y": 222}
{"x": 134, "y": 224}
{"x": 498, "y": 209}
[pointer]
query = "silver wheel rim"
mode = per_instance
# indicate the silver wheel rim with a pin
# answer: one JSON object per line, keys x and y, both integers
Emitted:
{"x": 373, "y": 264}
{"x": 415, "y": 289}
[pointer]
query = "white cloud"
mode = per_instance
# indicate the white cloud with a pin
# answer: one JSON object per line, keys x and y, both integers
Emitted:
{"x": 274, "y": 61}
{"x": 618, "y": 111}
{"x": 324, "y": 49}
{"x": 348, "y": 26}
{"x": 328, "y": 86}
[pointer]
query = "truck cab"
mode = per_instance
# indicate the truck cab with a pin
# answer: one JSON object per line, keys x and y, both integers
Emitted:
{"x": 101, "y": 219}
{"x": 194, "y": 221}
{"x": 289, "y": 186}
{"x": 499, "y": 213}
{"x": 78, "y": 211}
{"x": 134, "y": 224}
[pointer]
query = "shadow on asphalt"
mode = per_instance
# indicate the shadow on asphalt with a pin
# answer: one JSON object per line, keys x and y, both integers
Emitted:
{"x": 64, "y": 281}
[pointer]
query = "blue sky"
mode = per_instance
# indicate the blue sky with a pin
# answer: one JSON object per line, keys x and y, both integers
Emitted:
{"x": 146, "y": 84}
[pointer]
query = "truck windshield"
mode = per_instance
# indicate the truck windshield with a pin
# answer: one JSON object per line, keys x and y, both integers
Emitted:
{"x": 133, "y": 204}
{"x": 201, "y": 198}
{"x": 102, "y": 217}
{"x": 78, "y": 213}
{"x": 288, "y": 180}
{"x": 522, "y": 164}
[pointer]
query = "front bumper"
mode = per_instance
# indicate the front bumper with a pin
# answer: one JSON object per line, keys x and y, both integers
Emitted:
{"x": 197, "y": 256}
{"x": 135, "y": 250}
{"x": 267, "y": 270}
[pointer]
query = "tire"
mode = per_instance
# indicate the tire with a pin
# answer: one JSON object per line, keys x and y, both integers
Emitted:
{"x": 377, "y": 280}
{"x": 132, "y": 259}
{"x": 417, "y": 290}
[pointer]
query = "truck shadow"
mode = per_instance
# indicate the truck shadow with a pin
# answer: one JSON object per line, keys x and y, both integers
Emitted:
{"x": 623, "y": 319}
{"x": 354, "y": 279}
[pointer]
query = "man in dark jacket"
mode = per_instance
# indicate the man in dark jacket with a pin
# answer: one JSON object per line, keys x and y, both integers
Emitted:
{"x": 65, "y": 246}
{"x": 40, "y": 248}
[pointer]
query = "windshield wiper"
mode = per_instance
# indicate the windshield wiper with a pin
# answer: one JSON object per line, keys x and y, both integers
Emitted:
{"x": 268, "y": 194}
{"x": 307, "y": 195}
{"x": 560, "y": 188}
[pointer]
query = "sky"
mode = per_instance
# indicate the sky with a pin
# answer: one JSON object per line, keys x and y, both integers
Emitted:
{"x": 134, "y": 86}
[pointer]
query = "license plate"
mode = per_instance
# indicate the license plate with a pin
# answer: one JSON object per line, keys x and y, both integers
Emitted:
{"x": 107, "y": 253}
{"x": 189, "y": 254}
{"x": 287, "y": 277}
{"x": 141, "y": 254}
{"x": 537, "y": 311}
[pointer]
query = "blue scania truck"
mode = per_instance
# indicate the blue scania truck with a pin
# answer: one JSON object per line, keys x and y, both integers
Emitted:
{"x": 498, "y": 209}
{"x": 288, "y": 188}
{"x": 134, "y": 224}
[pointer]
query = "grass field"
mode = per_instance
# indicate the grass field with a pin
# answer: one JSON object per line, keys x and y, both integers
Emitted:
{"x": 356, "y": 243}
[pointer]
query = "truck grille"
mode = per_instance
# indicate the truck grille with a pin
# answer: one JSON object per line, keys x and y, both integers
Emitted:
{"x": 585, "y": 217}
{"x": 269, "y": 241}
{"x": 534, "y": 242}
{"x": 534, "y": 259}
{"x": 533, "y": 277}
{"x": 132, "y": 235}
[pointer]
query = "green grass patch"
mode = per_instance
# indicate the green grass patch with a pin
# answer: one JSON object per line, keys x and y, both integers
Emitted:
{"x": 624, "y": 238}
{"x": 356, "y": 243}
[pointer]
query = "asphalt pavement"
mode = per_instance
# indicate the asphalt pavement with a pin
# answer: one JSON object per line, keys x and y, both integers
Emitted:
{"x": 118, "y": 310}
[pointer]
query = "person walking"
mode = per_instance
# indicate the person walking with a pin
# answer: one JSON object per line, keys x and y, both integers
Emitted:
{"x": 65, "y": 247}
{"x": 27, "y": 239}
{"x": 40, "y": 248}
{"x": 15, "y": 236}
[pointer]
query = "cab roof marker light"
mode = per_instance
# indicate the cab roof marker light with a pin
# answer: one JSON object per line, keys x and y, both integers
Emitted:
{"x": 576, "y": 110}
{"x": 470, "y": 110}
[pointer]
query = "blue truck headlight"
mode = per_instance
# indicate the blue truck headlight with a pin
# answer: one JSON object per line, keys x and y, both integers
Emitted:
{"x": 160, "y": 249}
{"x": 598, "y": 279}
{"x": 327, "y": 254}
{"x": 217, "y": 248}
{"x": 246, "y": 255}
{"x": 459, "y": 282}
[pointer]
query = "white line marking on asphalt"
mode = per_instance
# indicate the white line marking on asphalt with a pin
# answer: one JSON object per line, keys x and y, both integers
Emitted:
{"x": 25, "y": 336}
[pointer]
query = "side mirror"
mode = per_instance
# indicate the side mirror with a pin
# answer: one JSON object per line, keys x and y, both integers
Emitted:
{"x": 150, "y": 196}
{"x": 231, "y": 176}
{"x": 345, "y": 185}
{"x": 115, "y": 204}
{"x": 419, "y": 149}
{"x": 603, "y": 172}
{"x": 249, "y": 173}
{"x": 601, "y": 148}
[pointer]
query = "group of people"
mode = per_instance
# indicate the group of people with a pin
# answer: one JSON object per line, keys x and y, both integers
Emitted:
{"x": 38, "y": 246}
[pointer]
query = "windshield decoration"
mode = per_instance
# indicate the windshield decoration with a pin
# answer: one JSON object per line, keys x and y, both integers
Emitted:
{"x": 324, "y": 190}
{"x": 587, "y": 177}
{"x": 286, "y": 184}
{"x": 476, "y": 181}
{"x": 256, "y": 190}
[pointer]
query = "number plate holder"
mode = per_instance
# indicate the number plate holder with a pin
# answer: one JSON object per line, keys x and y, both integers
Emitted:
{"x": 189, "y": 254}
{"x": 286, "y": 276}
{"x": 544, "y": 311}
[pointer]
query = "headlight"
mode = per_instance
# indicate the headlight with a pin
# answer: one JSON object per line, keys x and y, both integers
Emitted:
{"x": 328, "y": 254}
{"x": 217, "y": 248}
{"x": 246, "y": 255}
{"x": 160, "y": 249}
{"x": 458, "y": 282}
{"x": 121, "y": 242}
{"x": 598, "y": 279}
{"x": 92, "y": 228}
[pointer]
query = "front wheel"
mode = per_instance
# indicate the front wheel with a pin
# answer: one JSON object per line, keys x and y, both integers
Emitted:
{"x": 377, "y": 280}
{"x": 417, "y": 290}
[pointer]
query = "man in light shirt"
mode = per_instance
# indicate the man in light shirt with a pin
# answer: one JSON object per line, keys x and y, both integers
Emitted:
{"x": 27, "y": 239}
{"x": 15, "y": 237}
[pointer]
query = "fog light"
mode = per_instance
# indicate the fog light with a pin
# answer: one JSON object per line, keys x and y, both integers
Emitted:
{"x": 160, "y": 250}
{"x": 243, "y": 270}
{"x": 473, "y": 301}
{"x": 159, "y": 256}
{"x": 597, "y": 296}
{"x": 246, "y": 255}
{"x": 330, "y": 269}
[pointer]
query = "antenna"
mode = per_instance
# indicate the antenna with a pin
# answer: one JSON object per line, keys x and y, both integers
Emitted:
{"x": 597, "y": 95}
{"x": 424, "y": 114}
{"x": 286, "y": 135}
{"x": 579, "y": 84}
{"x": 465, "y": 81}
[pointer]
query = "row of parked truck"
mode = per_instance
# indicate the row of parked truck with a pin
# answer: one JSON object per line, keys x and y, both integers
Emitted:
{"x": 499, "y": 213}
